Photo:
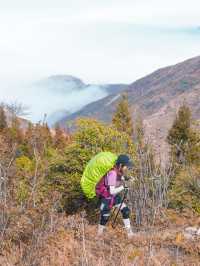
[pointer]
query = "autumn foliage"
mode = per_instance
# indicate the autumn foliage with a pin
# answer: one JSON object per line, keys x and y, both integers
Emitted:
{"x": 46, "y": 220}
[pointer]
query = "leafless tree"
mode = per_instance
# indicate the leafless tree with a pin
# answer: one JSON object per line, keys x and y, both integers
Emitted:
{"x": 148, "y": 190}
{"x": 7, "y": 157}
{"x": 17, "y": 109}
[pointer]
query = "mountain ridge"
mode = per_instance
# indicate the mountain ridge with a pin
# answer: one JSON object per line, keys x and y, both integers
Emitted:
{"x": 155, "y": 97}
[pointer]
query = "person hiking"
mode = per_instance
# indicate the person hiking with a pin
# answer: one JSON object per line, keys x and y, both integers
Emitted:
{"x": 108, "y": 190}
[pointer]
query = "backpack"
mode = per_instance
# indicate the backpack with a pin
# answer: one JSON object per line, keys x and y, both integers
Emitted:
{"x": 102, "y": 188}
{"x": 96, "y": 168}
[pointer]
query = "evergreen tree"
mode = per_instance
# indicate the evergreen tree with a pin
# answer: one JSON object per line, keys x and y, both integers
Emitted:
{"x": 122, "y": 119}
{"x": 184, "y": 140}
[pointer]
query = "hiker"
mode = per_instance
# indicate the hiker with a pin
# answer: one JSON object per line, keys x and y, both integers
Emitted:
{"x": 103, "y": 177}
{"x": 108, "y": 189}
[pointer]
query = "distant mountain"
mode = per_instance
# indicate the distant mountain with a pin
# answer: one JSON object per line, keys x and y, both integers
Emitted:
{"x": 66, "y": 83}
{"x": 64, "y": 94}
{"x": 155, "y": 97}
{"x": 61, "y": 83}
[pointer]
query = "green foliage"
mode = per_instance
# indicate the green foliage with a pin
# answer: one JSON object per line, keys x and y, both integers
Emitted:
{"x": 95, "y": 136}
{"x": 23, "y": 163}
{"x": 30, "y": 173}
{"x": 183, "y": 139}
{"x": 122, "y": 118}
{"x": 180, "y": 131}
{"x": 185, "y": 191}
{"x": 66, "y": 169}
{"x": 24, "y": 170}
{"x": 23, "y": 192}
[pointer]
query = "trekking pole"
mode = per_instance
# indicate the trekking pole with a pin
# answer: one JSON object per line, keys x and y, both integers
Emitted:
{"x": 124, "y": 197}
{"x": 112, "y": 214}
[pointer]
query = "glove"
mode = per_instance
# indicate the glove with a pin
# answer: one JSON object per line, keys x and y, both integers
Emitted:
{"x": 126, "y": 189}
{"x": 127, "y": 178}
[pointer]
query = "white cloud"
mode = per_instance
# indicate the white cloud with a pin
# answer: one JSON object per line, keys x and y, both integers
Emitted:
{"x": 99, "y": 41}
{"x": 157, "y": 13}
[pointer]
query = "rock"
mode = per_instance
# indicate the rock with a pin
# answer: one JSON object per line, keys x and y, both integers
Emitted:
{"x": 188, "y": 236}
{"x": 198, "y": 232}
{"x": 191, "y": 230}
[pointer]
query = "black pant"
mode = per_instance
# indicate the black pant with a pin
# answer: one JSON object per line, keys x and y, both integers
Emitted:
{"x": 105, "y": 209}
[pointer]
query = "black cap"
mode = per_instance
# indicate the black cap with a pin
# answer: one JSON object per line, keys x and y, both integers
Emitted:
{"x": 124, "y": 160}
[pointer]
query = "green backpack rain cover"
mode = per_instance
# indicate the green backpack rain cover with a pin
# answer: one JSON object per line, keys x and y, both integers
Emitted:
{"x": 96, "y": 168}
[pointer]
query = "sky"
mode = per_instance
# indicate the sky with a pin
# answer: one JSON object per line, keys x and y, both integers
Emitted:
{"x": 99, "y": 41}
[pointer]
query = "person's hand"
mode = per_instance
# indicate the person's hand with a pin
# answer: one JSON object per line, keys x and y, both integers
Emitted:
{"x": 126, "y": 189}
{"x": 126, "y": 178}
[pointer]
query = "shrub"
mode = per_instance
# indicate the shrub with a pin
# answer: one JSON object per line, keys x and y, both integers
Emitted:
{"x": 185, "y": 191}
{"x": 66, "y": 169}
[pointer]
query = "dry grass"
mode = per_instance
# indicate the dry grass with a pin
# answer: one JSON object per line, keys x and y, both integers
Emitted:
{"x": 72, "y": 241}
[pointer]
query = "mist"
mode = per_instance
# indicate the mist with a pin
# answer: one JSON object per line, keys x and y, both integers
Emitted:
{"x": 47, "y": 100}
{"x": 99, "y": 41}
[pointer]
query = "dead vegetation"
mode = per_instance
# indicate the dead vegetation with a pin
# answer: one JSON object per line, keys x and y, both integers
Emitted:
{"x": 61, "y": 240}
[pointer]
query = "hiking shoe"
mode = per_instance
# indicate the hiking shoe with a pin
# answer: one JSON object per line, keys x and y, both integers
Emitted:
{"x": 130, "y": 233}
{"x": 100, "y": 230}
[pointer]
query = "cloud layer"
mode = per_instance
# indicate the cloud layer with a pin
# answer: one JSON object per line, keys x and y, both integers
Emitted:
{"x": 98, "y": 40}
{"x": 101, "y": 41}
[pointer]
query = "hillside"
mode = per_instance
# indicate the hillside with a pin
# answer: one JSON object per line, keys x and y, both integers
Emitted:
{"x": 47, "y": 220}
{"x": 155, "y": 97}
